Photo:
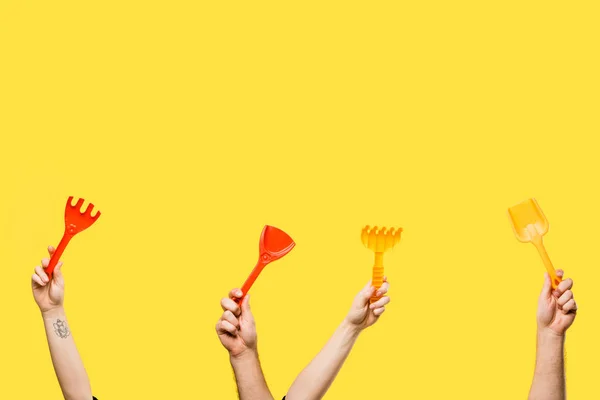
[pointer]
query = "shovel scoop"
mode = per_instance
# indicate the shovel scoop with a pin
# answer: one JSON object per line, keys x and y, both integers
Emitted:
{"x": 274, "y": 244}
{"x": 530, "y": 224}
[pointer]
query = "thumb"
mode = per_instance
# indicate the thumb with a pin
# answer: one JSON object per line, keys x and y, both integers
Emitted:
{"x": 57, "y": 275}
{"x": 246, "y": 307}
{"x": 365, "y": 295}
{"x": 547, "y": 288}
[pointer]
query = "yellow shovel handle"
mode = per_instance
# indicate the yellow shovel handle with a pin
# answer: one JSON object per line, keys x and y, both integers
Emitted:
{"x": 539, "y": 245}
{"x": 377, "y": 280}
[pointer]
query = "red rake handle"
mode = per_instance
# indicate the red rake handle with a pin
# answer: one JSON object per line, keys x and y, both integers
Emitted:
{"x": 250, "y": 281}
{"x": 57, "y": 254}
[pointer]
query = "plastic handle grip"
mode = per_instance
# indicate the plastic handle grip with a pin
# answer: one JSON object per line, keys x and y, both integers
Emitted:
{"x": 57, "y": 254}
{"x": 547, "y": 263}
{"x": 250, "y": 281}
{"x": 377, "y": 280}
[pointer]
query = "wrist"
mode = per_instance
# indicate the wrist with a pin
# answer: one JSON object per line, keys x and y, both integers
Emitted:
{"x": 350, "y": 328}
{"x": 244, "y": 355}
{"x": 54, "y": 312}
{"x": 550, "y": 335}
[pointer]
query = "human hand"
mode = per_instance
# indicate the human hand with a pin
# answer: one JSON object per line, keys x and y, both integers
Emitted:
{"x": 362, "y": 314}
{"x": 236, "y": 328}
{"x": 556, "y": 309}
{"x": 48, "y": 293}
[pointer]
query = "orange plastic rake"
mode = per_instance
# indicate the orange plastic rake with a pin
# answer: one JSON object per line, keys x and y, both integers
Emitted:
{"x": 75, "y": 222}
{"x": 379, "y": 240}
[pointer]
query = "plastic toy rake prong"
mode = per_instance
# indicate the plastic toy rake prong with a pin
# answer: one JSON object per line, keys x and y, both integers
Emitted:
{"x": 89, "y": 210}
{"x": 390, "y": 239}
{"x": 78, "y": 204}
{"x": 381, "y": 239}
{"x": 364, "y": 236}
{"x": 373, "y": 238}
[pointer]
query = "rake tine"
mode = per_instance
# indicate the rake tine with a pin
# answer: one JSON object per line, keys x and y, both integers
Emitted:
{"x": 88, "y": 210}
{"x": 78, "y": 204}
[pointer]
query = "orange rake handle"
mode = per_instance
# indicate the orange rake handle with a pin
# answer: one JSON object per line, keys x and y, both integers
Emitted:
{"x": 377, "y": 280}
{"x": 57, "y": 254}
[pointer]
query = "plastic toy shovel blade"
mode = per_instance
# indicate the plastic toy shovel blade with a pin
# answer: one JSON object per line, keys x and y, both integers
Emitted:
{"x": 274, "y": 244}
{"x": 527, "y": 220}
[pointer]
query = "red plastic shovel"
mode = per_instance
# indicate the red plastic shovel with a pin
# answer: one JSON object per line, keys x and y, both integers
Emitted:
{"x": 75, "y": 222}
{"x": 274, "y": 244}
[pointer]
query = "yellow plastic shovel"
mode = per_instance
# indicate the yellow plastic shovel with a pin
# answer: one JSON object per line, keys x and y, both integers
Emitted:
{"x": 530, "y": 224}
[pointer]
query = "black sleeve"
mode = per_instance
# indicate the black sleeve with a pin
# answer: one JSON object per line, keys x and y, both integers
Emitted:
{"x": 93, "y": 398}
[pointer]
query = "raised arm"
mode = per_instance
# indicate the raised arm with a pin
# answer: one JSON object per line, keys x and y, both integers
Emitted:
{"x": 237, "y": 332}
{"x": 69, "y": 369}
{"x": 314, "y": 381}
{"x": 556, "y": 312}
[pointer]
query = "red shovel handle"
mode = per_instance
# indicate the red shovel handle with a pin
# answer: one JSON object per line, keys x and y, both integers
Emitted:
{"x": 57, "y": 254}
{"x": 250, "y": 281}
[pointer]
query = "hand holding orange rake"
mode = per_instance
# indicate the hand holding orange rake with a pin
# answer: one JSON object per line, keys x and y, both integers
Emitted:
{"x": 379, "y": 240}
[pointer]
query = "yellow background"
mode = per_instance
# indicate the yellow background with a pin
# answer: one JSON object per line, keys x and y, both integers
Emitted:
{"x": 193, "y": 124}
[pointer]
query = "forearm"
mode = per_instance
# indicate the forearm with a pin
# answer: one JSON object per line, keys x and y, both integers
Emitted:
{"x": 314, "y": 381}
{"x": 68, "y": 366}
{"x": 549, "y": 376}
{"x": 249, "y": 377}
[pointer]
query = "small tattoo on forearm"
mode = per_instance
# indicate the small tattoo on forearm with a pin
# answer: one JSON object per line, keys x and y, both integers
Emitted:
{"x": 61, "y": 329}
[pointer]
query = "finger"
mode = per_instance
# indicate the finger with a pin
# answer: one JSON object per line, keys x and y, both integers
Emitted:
{"x": 547, "y": 287}
{"x": 565, "y": 285}
{"x": 51, "y": 250}
{"x": 570, "y": 306}
{"x": 378, "y": 311}
{"x": 226, "y": 327}
{"x": 36, "y": 278}
{"x": 40, "y": 272}
{"x": 383, "y": 289}
{"x": 45, "y": 262}
{"x": 235, "y": 294}
{"x": 565, "y": 297}
{"x": 364, "y": 295}
{"x": 230, "y": 305}
{"x": 380, "y": 303}
{"x": 229, "y": 317}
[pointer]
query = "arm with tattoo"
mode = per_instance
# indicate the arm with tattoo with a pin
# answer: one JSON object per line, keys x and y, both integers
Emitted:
{"x": 69, "y": 369}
